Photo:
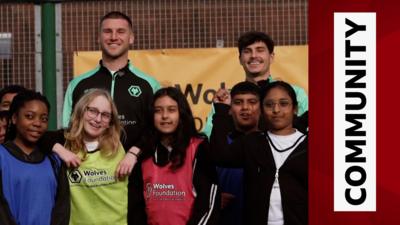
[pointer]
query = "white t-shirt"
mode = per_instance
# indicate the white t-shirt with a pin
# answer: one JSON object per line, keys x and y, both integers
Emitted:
{"x": 91, "y": 146}
{"x": 275, "y": 213}
{"x": 112, "y": 71}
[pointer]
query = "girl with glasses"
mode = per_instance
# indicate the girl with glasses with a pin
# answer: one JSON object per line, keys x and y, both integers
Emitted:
{"x": 274, "y": 161}
{"x": 97, "y": 196}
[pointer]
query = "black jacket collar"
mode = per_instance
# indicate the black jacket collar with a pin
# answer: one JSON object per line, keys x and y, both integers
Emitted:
{"x": 263, "y": 83}
{"x": 35, "y": 157}
{"x": 124, "y": 70}
{"x": 235, "y": 134}
{"x": 162, "y": 154}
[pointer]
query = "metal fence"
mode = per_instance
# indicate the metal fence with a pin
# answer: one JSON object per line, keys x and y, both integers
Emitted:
{"x": 158, "y": 24}
{"x": 17, "y": 44}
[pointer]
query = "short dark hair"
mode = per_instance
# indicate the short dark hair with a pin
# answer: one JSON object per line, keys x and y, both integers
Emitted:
{"x": 252, "y": 37}
{"x": 11, "y": 89}
{"x": 245, "y": 87}
{"x": 117, "y": 15}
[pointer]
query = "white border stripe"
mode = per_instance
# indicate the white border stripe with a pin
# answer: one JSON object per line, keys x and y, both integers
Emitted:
{"x": 361, "y": 31}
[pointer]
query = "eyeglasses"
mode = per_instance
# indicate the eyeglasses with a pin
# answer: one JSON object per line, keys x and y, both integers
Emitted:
{"x": 93, "y": 113}
{"x": 282, "y": 104}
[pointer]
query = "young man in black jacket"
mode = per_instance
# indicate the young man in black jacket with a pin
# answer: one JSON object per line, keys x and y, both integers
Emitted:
{"x": 132, "y": 90}
{"x": 256, "y": 54}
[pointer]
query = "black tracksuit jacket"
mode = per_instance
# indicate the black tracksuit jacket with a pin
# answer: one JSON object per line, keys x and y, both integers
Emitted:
{"x": 253, "y": 153}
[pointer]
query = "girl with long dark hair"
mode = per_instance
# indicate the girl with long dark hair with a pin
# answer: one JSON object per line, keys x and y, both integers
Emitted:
{"x": 174, "y": 182}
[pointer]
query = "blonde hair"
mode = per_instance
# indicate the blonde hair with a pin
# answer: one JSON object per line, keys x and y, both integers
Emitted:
{"x": 109, "y": 141}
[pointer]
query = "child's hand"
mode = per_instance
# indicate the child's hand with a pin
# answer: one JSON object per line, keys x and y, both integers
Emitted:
{"x": 222, "y": 96}
{"x": 69, "y": 158}
{"x": 126, "y": 165}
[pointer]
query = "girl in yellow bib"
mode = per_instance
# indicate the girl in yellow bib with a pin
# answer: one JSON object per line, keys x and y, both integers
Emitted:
{"x": 97, "y": 196}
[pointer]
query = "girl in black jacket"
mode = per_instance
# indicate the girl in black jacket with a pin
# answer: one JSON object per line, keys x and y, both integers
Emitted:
{"x": 274, "y": 161}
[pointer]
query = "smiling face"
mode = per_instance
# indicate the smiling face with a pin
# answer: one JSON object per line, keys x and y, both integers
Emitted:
{"x": 256, "y": 60}
{"x": 31, "y": 122}
{"x": 166, "y": 115}
{"x": 115, "y": 38}
{"x": 96, "y": 118}
{"x": 279, "y": 111}
{"x": 245, "y": 111}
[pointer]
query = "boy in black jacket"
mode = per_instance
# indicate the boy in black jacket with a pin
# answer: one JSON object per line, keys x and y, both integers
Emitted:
{"x": 244, "y": 110}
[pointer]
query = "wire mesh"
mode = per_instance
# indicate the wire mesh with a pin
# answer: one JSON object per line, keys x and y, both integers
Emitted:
{"x": 17, "y": 44}
{"x": 158, "y": 24}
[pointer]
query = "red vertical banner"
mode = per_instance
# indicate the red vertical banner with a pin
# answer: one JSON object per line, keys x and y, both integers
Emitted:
{"x": 322, "y": 163}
